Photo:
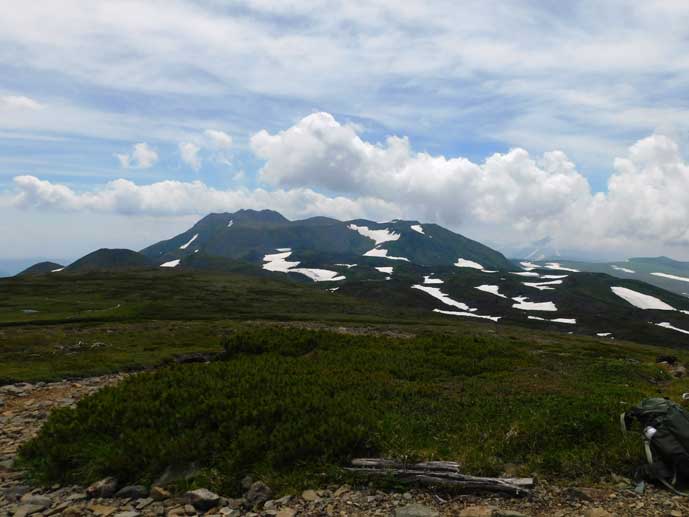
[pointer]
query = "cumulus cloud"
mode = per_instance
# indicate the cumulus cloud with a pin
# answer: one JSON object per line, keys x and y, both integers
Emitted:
{"x": 647, "y": 198}
{"x": 19, "y": 102}
{"x": 175, "y": 198}
{"x": 190, "y": 154}
{"x": 322, "y": 167}
{"x": 141, "y": 157}
{"x": 218, "y": 139}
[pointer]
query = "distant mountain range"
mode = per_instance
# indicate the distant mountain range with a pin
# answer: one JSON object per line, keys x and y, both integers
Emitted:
{"x": 422, "y": 266}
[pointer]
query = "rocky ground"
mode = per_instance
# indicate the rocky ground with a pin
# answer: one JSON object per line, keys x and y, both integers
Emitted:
{"x": 23, "y": 408}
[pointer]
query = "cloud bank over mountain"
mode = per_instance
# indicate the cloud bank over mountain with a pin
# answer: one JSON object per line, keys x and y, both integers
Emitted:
{"x": 320, "y": 166}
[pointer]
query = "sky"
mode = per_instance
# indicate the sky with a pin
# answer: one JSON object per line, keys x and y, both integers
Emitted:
{"x": 122, "y": 123}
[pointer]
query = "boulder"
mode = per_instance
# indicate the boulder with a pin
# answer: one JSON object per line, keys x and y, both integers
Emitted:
{"x": 104, "y": 488}
{"x": 203, "y": 499}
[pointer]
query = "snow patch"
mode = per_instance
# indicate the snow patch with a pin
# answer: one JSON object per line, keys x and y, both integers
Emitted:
{"x": 439, "y": 295}
{"x": 185, "y": 246}
{"x": 569, "y": 321}
{"x": 528, "y": 266}
{"x": 641, "y": 301}
{"x": 554, "y": 276}
{"x": 468, "y": 314}
{"x": 377, "y": 252}
{"x": 492, "y": 289}
{"x": 278, "y": 262}
{"x": 468, "y": 263}
{"x": 604, "y": 334}
{"x": 229, "y": 225}
{"x": 57, "y": 270}
{"x": 525, "y": 305}
{"x": 526, "y": 273}
{"x": 172, "y": 263}
{"x": 428, "y": 280}
{"x": 387, "y": 269}
{"x": 667, "y": 325}
{"x": 543, "y": 286}
{"x": 283, "y": 249}
{"x": 672, "y": 277}
{"x": 623, "y": 269}
{"x": 348, "y": 266}
{"x": 418, "y": 228}
{"x": 558, "y": 267}
{"x": 379, "y": 236}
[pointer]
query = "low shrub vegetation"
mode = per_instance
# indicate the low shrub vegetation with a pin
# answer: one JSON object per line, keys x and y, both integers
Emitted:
{"x": 288, "y": 405}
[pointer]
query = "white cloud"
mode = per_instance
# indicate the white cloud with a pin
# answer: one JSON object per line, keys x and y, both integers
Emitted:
{"x": 141, "y": 157}
{"x": 647, "y": 199}
{"x": 511, "y": 197}
{"x": 190, "y": 154}
{"x": 218, "y": 139}
{"x": 19, "y": 102}
{"x": 175, "y": 198}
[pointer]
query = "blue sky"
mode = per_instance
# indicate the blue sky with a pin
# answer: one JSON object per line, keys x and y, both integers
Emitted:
{"x": 330, "y": 83}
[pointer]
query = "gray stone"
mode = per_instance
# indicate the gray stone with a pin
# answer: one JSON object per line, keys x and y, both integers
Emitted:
{"x": 103, "y": 488}
{"x": 28, "y": 509}
{"x": 259, "y": 493}
{"x": 15, "y": 493}
{"x": 203, "y": 499}
{"x": 36, "y": 499}
{"x": 132, "y": 492}
{"x": 130, "y": 513}
{"x": 415, "y": 510}
{"x": 309, "y": 495}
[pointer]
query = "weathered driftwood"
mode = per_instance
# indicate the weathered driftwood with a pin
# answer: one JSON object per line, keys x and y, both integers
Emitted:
{"x": 439, "y": 473}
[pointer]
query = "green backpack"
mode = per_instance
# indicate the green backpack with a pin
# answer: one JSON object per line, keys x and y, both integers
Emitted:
{"x": 665, "y": 430}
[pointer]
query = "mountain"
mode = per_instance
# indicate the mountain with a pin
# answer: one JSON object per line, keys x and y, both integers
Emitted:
{"x": 42, "y": 268}
{"x": 662, "y": 272}
{"x": 250, "y": 235}
{"x": 110, "y": 260}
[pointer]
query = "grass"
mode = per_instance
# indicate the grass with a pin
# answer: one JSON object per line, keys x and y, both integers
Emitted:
{"x": 288, "y": 405}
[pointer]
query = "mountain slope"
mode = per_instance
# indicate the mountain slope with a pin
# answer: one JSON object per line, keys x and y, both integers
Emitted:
{"x": 41, "y": 269}
{"x": 250, "y": 235}
{"x": 662, "y": 272}
{"x": 110, "y": 260}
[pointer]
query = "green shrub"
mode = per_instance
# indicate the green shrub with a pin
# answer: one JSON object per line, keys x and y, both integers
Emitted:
{"x": 288, "y": 404}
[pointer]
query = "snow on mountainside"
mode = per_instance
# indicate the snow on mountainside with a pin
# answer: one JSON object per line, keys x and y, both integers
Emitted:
{"x": 662, "y": 272}
{"x": 250, "y": 235}
{"x": 426, "y": 267}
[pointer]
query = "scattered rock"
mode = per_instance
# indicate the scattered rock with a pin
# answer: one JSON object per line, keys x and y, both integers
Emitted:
{"x": 258, "y": 493}
{"x": 37, "y": 500}
{"x": 158, "y": 493}
{"x": 103, "y": 488}
{"x": 132, "y": 492}
{"x": 202, "y": 499}
{"x": 28, "y": 509}
{"x": 508, "y": 513}
{"x": 416, "y": 510}
{"x": 286, "y": 512}
{"x": 478, "y": 511}
{"x": 597, "y": 512}
{"x": 309, "y": 495}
